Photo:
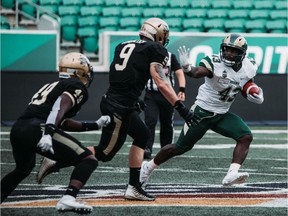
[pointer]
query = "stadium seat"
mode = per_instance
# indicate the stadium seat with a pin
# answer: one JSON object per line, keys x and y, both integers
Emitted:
{"x": 89, "y": 39}
{"x": 239, "y": 4}
{"x": 94, "y": 2}
{"x": 217, "y": 13}
{"x": 88, "y": 21}
{"x": 136, "y": 3}
{"x": 264, "y": 5}
{"x": 90, "y": 10}
{"x": 213, "y": 24}
{"x": 175, "y": 24}
{"x": 196, "y": 13}
{"x": 72, "y": 2}
{"x": 69, "y": 28}
{"x": 111, "y": 11}
{"x": 50, "y": 8}
{"x": 255, "y": 26}
{"x": 238, "y": 14}
{"x": 4, "y": 22}
{"x": 276, "y": 26}
{"x": 108, "y": 22}
{"x": 179, "y": 3}
{"x": 236, "y": 25}
{"x": 200, "y": 4}
{"x": 258, "y": 14}
{"x": 158, "y": 3}
{"x": 49, "y": 2}
{"x": 10, "y": 4}
{"x": 174, "y": 12}
{"x": 131, "y": 12}
{"x": 69, "y": 20}
{"x": 68, "y": 10}
{"x": 126, "y": 23}
{"x": 278, "y": 14}
{"x": 281, "y": 5}
{"x": 221, "y": 4}
{"x": 193, "y": 25}
{"x": 153, "y": 12}
{"x": 110, "y": 3}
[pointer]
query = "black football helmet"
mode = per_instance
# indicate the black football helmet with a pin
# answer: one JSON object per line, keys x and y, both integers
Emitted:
{"x": 235, "y": 41}
{"x": 76, "y": 65}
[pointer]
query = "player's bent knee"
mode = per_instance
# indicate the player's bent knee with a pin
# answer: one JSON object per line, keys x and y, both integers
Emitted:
{"x": 246, "y": 139}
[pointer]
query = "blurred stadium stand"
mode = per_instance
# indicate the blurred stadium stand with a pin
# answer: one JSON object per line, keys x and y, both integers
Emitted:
{"x": 83, "y": 20}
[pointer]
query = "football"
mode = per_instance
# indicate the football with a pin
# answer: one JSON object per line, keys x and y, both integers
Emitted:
{"x": 250, "y": 88}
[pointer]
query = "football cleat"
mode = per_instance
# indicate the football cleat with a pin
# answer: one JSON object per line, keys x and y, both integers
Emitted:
{"x": 69, "y": 203}
{"x": 145, "y": 173}
{"x": 235, "y": 178}
{"x": 47, "y": 166}
{"x": 137, "y": 193}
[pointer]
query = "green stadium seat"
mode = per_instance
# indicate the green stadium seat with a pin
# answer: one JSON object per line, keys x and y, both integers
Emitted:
{"x": 158, "y": 3}
{"x": 50, "y": 8}
{"x": 174, "y": 12}
{"x": 136, "y": 3}
{"x": 30, "y": 10}
{"x": 110, "y": 3}
{"x": 238, "y": 14}
{"x": 72, "y": 2}
{"x": 108, "y": 22}
{"x": 217, "y": 13}
{"x": 200, "y": 4}
{"x": 129, "y": 24}
{"x": 221, "y": 4}
{"x": 131, "y": 12}
{"x": 193, "y": 25}
{"x": 89, "y": 39}
{"x": 235, "y": 25}
{"x": 179, "y": 3}
{"x": 216, "y": 30}
{"x": 239, "y": 4}
{"x": 276, "y": 26}
{"x": 153, "y": 12}
{"x": 88, "y": 21}
{"x": 111, "y": 11}
{"x": 68, "y": 10}
{"x": 281, "y": 5}
{"x": 69, "y": 32}
{"x": 175, "y": 24}
{"x": 259, "y": 14}
{"x": 10, "y": 4}
{"x": 196, "y": 13}
{"x": 278, "y": 14}
{"x": 94, "y": 2}
{"x": 87, "y": 32}
{"x": 264, "y": 5}
{"x": 213, "y": 24}
{"x": 49, "y": 2}
{"x": 255, "y": 26}
{"x": 69, "y": 20}
{"x": 90, "y": 10}
{"x": 4, "y": 22}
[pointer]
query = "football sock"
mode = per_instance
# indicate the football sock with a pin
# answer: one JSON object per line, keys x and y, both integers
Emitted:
{"x": 134, "y": 176}
{"x": 151, "y": 165}
{"x": 234, "y": 167}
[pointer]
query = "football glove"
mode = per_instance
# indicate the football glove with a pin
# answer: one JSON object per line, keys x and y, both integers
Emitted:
{"x": 256, "y": 98}
{"x": 186, "y": 114}
{"x": 103, "y": 121}
{"x": 184, "y": 58}
{"x": 45, "y": 143}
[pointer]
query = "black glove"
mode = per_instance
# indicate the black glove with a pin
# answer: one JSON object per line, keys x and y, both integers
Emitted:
{"x": 140, "y": 106}
{"x": 186, "y": 114}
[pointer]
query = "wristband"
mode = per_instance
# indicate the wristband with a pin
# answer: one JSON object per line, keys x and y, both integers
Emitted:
{"x": 87, "y": 126}
{"x": 182, "y": 89}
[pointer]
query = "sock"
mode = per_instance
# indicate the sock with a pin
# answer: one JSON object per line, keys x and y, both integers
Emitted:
{"x": 151, "y": 165}
{"x": 72, "y": 191}
{"x": 134, "y": 176}
{"x": 234, "y": 167}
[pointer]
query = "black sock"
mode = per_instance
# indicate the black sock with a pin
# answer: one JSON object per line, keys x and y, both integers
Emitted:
{"x": 134, "y": 176}
{"x": 72, "y": 191}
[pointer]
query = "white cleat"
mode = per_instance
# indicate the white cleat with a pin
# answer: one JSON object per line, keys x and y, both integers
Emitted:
{"x": 145, "y": 174}
{"x": 69, "y": 203}
{"x": 47, "y": 166}
{"x": 235, "y": 178}
{"x": 137, "y": 193}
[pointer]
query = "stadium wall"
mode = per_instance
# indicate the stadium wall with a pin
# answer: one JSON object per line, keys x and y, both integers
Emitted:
{"x": 17, "y": 88}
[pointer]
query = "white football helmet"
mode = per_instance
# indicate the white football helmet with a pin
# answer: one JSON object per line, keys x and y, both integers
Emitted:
{"x": 155, "y": 29}
{"x": 76, "y": 65}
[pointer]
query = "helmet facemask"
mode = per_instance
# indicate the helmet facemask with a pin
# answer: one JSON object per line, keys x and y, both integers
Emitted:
{"x": 155, "y": 29}
{"x": 233, "y": 41}
{"x": 76, "y": 65}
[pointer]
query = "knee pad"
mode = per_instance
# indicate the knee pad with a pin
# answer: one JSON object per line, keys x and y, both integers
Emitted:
{"x": 142, "y": 139}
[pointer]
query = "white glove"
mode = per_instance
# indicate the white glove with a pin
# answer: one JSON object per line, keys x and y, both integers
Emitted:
{"x": 184, "y": 58}
{"x": 45, "y": 144}
{"x": 256, "y": 98}
{"x": 103, "y": 121}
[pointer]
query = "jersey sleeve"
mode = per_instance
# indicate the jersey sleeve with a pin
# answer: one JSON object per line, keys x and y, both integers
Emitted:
{"x": 175, "y": 65}
{"x": 159, "y": 54}
{"x": 77, "y": 93}
{"x": 207, "y": 63}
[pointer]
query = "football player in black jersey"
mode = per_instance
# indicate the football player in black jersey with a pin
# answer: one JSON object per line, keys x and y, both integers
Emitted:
{"x": 134, "y": 62}
{"x": 39, "y": 130}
